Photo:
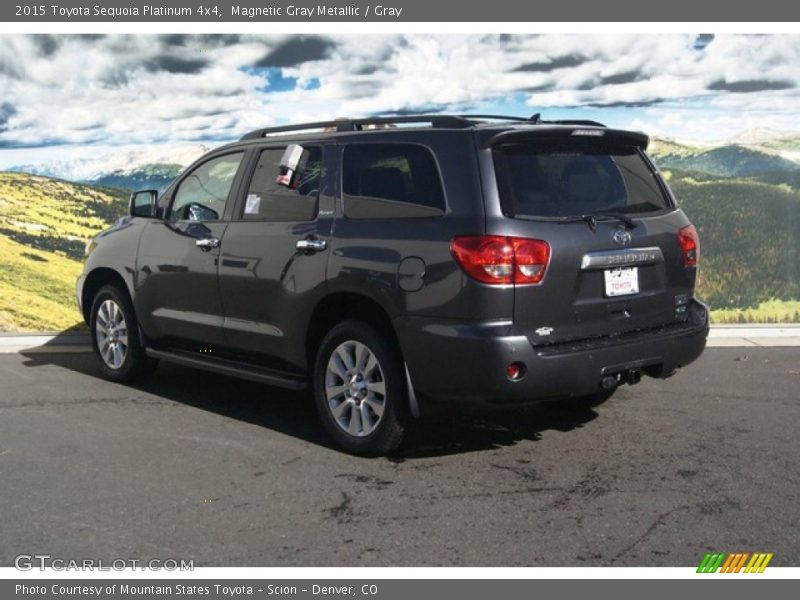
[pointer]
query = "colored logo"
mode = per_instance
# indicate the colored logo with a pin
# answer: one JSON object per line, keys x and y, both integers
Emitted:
{"x": 735, "y": 562}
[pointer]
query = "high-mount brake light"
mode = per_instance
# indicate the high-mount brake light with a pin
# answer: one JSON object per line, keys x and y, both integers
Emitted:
{"x": 500, "y": 260}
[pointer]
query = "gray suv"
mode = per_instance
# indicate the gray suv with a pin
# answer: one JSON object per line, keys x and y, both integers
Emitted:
{"x": 390, "y": 262}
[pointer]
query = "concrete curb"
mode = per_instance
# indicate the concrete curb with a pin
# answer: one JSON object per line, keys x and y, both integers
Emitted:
{"x": 721, "y": 336}
{"x": 44, "y": 343}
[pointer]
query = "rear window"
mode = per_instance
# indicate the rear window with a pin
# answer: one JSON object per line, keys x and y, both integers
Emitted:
{"x": 394, "y": 172}
{"x": 567, "y": 180}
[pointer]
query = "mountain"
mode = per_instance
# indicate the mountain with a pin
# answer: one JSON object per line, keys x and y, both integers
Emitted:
{"x": 726, "y": 161}
{"x": 743, "y": 195}
{"x": 128, "y": 168}
{"x": 44, "y": 226}
{"x": 146, "y": 177}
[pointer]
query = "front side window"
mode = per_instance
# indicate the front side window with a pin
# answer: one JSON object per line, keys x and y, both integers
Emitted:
{"x": 405, "y": 173}
{"x": 573, "y": 179}
{"x": 202, "y": 195}
{"x": 268, "y": 200}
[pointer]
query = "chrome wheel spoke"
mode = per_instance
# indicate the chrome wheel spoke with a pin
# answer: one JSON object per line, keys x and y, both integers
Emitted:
{"x": 354, "y": 427}
{"x": 334, "y": 391}
{"x": 337, "y": 367}
{"x": 117, "y": 358}
{"x": 338, "y": 410}
{"x": 362, "y": 356}
{"x": 369, "y": 367}
{"x": 375, "y": 404}
{"x": 345, "y": 356}
{"x": 377, "y": 387}
{"x": 367, "y": 422}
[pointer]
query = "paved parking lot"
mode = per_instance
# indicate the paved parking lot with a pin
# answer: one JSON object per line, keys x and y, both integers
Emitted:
{"x": 228, "y": 473}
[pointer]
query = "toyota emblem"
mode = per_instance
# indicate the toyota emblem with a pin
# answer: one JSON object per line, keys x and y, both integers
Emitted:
{"x": 622, "y": 237}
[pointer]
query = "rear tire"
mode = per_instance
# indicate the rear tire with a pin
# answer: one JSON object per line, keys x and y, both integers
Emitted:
{"x": 115, "y": 337}
{"x": 360, "y": 389}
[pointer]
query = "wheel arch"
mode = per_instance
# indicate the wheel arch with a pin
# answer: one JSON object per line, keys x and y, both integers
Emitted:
{"x": 341, "y": 306}
{"x": 95, "y": 280}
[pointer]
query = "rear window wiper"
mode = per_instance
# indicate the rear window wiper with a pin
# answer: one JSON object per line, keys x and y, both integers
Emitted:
{"x": 629, "y": 223}
{"x": 591, "y": 219}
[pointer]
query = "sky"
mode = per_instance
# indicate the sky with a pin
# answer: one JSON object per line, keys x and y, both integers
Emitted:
{"x": 78, "y": 97}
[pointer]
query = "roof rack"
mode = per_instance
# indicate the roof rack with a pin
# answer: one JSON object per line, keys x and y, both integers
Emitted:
{"x": 344, "y": 125}
{"x": 435, "y": 121}
{"x": 495, "y": 118}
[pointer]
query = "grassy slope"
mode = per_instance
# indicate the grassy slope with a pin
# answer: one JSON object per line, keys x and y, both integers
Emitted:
{"x": 771, "y": 311}
{"x": 750, "y": 249}
{"x": 44, "y": 224}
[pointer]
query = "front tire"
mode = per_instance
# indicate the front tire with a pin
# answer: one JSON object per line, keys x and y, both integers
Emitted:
{"x": 360, "y": 390}
{"x": 115, "y": 336}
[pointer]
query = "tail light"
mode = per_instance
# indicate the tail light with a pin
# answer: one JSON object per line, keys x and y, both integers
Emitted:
{"x": 500, "y": 259}
{"x": 690, "y": 245}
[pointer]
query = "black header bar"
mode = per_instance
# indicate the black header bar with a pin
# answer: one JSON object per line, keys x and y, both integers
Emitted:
{"x": 220, "y": 11}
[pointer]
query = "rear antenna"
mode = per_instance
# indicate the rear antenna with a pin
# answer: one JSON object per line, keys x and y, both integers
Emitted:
{"x": 536, "y": 119}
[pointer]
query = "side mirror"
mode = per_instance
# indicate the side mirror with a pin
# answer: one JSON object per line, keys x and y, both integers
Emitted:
{"x": 143, "y": 204}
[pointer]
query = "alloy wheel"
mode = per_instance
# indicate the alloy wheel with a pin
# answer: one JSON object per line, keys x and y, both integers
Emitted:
{"x": 111, "y": 333}
{"x": 355, "y": 388}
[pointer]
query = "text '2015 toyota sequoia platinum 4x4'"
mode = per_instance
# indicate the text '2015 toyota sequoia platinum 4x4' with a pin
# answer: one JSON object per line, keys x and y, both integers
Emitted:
{"x": 388, "y": 262}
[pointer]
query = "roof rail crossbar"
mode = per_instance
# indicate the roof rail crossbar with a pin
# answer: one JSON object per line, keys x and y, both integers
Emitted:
{"x": 344, "y": 125}
{"x": 494, "y": 117}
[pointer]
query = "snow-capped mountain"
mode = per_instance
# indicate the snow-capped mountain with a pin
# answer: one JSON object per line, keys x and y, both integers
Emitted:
{"x": 127, "y": 168}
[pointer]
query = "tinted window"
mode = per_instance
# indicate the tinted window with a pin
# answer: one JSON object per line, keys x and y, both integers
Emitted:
{"x": 563, "y": 181}
{"x": 396, "y": 172}
{"x": 268, "y": 201}
{"x": 202, "y": 195}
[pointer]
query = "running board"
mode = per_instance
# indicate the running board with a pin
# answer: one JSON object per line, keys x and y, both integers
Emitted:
{"x": 229, "y": 367}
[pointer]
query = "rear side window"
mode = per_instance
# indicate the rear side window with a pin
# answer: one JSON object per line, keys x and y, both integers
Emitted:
{"x": 560, "y": 180}
{"x": 391, "y": 173}
{"x": 269, "y": 201}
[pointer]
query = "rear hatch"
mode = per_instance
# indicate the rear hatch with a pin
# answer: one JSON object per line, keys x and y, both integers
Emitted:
{"x": 617, "y": 263}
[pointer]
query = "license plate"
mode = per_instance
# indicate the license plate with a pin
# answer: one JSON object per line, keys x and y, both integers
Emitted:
{"x": 622, "y": 282}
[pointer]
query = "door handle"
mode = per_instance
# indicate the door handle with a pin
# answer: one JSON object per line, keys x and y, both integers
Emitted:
{"x": 207, "y": 244}
{"x": 311, "y": 245}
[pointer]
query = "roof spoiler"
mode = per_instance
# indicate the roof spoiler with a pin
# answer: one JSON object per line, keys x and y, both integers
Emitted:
{"x": 577, "y": 130}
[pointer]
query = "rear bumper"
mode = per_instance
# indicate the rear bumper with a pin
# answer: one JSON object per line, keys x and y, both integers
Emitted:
{"x": 467, "y": 361}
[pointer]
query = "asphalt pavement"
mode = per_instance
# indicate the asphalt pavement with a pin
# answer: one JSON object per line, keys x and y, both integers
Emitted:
{"x": 228, "y": 473}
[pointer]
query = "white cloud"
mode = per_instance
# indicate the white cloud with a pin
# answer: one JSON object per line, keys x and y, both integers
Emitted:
{"x": 153, "y": 90}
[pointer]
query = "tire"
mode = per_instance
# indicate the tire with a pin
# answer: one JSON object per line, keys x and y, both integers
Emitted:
{"x": 361, "y": 397}
{"x": 115, "y": 337}
{"x": 585, "y": 402}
